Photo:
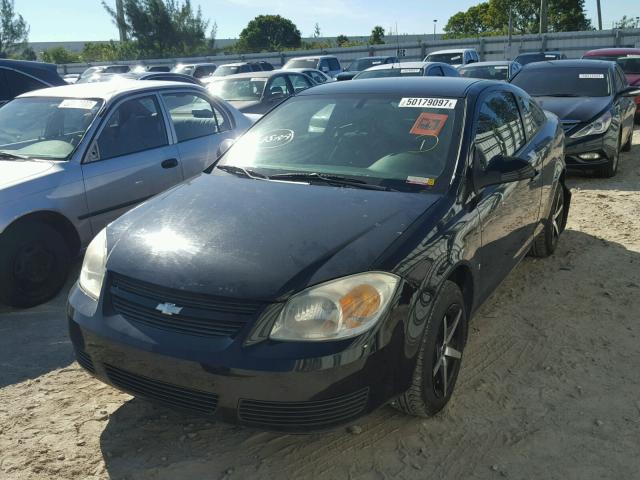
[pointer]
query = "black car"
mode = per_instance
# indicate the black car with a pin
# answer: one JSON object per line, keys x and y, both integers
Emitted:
{"x": 363, "y": 63}
{"x": 19, "y": 76}
{"x": 594, "y": 103}
{"x": 332, "y": 259}
{"x": 502, "y": 70}
{"x": 526, "y": 58}
{"x": 259, "y": 92}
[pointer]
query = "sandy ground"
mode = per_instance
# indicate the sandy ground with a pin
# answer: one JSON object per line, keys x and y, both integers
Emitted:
{"x": 550, "y": 386}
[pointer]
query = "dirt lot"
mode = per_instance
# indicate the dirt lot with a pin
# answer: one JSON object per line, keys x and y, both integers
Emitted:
{"x": 550, "y": 386}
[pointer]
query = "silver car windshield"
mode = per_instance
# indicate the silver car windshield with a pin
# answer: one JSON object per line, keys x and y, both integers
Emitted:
{"x": 49, "y": 128}
{"x": 388, "y": 140}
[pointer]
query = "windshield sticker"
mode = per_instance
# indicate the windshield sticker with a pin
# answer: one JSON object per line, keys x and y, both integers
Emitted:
{"x": 410, "y": 70}
{"x": 429, "y": 124}
{"x": 430, "y": 182}
{"x": 276, "y": 138}
{"x": 591, "y": 75}
{"x": 448, "y": 103}
{"x": 77, "y": 103}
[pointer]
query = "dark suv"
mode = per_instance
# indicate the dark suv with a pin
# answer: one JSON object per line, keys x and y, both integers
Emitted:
{"x": 18, "y": 77}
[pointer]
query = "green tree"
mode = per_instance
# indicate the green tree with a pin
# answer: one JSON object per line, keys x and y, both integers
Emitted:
{"x": 628, "y": 22}
{"x": 269, "y": 32}
{"x": 377, "y": 35}
{"x": 60, "y": 55}
{"x": 163, "y": 27}
{"x": 316, "y": 31}
{"x": 28, "y": 54}
{"x": 14, "y": 31}
{"x": 109, "y": 51}
{"x": 568, "y": 16}
{"x": 342, "y": 40}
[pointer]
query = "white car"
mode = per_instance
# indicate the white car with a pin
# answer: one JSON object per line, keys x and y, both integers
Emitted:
{"x": 454, "y": 56}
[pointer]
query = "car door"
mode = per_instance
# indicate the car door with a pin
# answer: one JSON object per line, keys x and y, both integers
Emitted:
{"x": 277, "y": 90}
{"x": 508, "y": 212}
{"x": 129, "y": 160}
{"x": 199, "y": 126}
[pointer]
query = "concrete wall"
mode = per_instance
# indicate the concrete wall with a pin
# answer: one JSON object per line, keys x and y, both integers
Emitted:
{"x": 573, "y": 44}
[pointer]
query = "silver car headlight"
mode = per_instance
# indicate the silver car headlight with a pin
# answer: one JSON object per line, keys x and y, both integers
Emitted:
{"x": 337, "y": 309}
{"x": 599, "y": 125}
{"x": 94, "y": 266}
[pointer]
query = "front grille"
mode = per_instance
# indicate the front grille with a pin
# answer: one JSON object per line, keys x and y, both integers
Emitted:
{"x": 200, "y": 315}
{"x": 85, "y": 361}
{"x": 299, "y": 415}
{"x": 172, "y": 395}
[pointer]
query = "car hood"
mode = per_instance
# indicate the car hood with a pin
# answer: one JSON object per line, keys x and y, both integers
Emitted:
{"x": 13, "y": 172}
{"x": 582, "y": 109}
{"x": 241, "y": 238}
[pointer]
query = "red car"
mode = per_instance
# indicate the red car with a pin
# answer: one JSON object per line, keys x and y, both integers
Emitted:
{"x": 629, "y": 61}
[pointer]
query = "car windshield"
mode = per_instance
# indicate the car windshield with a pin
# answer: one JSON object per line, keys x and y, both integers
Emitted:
{"x": 391, "y": 72}
{"x": 629, "y": 64}
{"x": 450, "y": 58}
{"x": 225, "y": 70}
{"x": 364, "y": 63}
{"x": 564, "y": 82}
{"x": 239, "y": 89}
{"x": 302, "y": 63}
{"x": 407, "y": 144}
{"x": 490, "y": 72}
{"x": 51, "y": 128}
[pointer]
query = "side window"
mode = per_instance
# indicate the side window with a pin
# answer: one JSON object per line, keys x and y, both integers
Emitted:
{"x": 191, "y": 114}
{"x": 530, "y": 116}
{"x": 5, "y": 95}
{"x": 323, "y": 66}
{"x": 334, "y": 64}
{"x": 436, "y": 72}
{"x": 623, "y": 80}
{"x": 279, "y": 86}
{"x": 500, "y": 130}
{"x": 318, "y": 78}
{"x": 18, "y": 83}
{"x": 299, "y": 82}
{"x": 244, "y": 68}
{"x": 134, "y": 126}
{"x": 203, "y": 71}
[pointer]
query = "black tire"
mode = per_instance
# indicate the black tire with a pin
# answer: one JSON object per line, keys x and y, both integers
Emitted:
{"x": 547, "y": 241}
{"x": 34, "y": 263}
{"x": 437, "y": 359}
{"x": 627, "y": 146}
{"x": 610, "y": 169}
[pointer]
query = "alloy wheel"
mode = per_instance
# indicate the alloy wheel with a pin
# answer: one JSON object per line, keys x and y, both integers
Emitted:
{"x": 448, "y": 351}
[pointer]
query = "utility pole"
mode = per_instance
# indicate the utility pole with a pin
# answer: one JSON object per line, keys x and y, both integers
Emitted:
{"x": 120, "y": 20}
{"x": 599, "y": 15}
{"x": 543, "y": 16}
{"x": 434, "y": 29}
{"x": 510, "y": 26}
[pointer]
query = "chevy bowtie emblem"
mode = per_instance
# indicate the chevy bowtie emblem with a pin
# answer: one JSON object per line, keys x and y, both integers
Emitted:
{"x": 169, "y": 308}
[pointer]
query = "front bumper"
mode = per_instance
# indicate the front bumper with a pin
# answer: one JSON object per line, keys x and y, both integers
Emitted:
{"x": 277, "y": 386}
{"x": 604, "y": 144}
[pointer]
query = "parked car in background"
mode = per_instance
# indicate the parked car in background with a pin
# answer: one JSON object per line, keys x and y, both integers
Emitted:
{"x": 241, "y": 67}
{"x": 74, "y": 158}
{"x": 594, "y": 103}
{"x": 316, "y": 75}
{"x": 629, "y": 61}
{"x": 151, "y": 68}
{"x": 328, "y": 64}
{"x": 316, "y": 274}
{"x": 526, "y": 58}
{"x": 409, "y": 69}
{"x": 163, "y": 76}
{"x": 20, "y": 76}
{"x": 502, "y": 70}
{"x": 105, "y": 69}
{"x": 196, "y": 70}
{"x": 71, "y": 78}
{"x": 362, "y": 64}
{"x": 259, "y": 92}
{"x": 454, "y": 56}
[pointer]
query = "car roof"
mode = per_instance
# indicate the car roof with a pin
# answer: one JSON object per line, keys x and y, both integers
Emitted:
{"x": 410, "y": 86}
{"x": 389, "y": 66}
{"x": 312, "y": 57}
{"x": 43, "y": 71}
{"x": 548, "y": 52}
{"x": 104, "y": 90}
{"x": 612, "y": 51}
{"x": 451, "y": 50}
{"x": 601, "y": 64}
{"x": 488, "y": 63}
{"x": 200, "y": 64}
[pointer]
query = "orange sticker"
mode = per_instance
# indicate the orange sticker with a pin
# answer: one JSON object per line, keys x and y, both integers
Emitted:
{"x": 429, "y": 124}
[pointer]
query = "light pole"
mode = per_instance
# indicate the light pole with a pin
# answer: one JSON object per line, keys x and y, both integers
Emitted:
{"x": 434, "y": 28}
{"x": 599, "y": 15}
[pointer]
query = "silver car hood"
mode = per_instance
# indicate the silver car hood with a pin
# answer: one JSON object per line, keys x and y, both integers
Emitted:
{"x": 13, "y": 172}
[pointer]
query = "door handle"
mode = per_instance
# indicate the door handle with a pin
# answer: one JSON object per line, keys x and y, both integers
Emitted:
{"x": 170, "y": 163}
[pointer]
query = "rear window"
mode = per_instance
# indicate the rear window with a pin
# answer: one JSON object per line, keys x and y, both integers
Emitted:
{"x": 364, "y": 63}
{"x": 630, "y": 64}
{"x": 391, "y": 72}
{"x": 489, "y": 72}
{"x": 450, "y": 58}
{"x": 564, "y": 82}
{"x": 225, "y": 70}
{"x": 302, "y": 63}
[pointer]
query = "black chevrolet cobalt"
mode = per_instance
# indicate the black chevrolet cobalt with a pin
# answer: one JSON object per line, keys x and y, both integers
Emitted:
{"x": 330, "y": 262}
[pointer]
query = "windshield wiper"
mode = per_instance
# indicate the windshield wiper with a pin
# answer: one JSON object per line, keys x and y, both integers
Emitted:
{"x": 328, "y": 179}
{"x": 244, "y": 172}
{"x": 12, "y": 156}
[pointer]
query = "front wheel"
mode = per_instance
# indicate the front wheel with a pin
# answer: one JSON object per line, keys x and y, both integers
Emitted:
{"x": 547, "y": 241}
{"x": 611, "y": 168}
{"x": 440, "y": 355}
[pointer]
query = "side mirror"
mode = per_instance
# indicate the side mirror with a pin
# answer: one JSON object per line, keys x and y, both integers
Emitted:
{"x": 224, "y": 146}
{"x": 500, "y": 170}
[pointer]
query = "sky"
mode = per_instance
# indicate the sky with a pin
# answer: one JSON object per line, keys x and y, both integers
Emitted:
{"x": 86, "y": 20}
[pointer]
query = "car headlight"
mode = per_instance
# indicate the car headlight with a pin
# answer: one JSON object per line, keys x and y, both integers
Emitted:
{"x": 94, "y": 266}
{"x": 599, "y": 125}
{"x": 337, "y": 309}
